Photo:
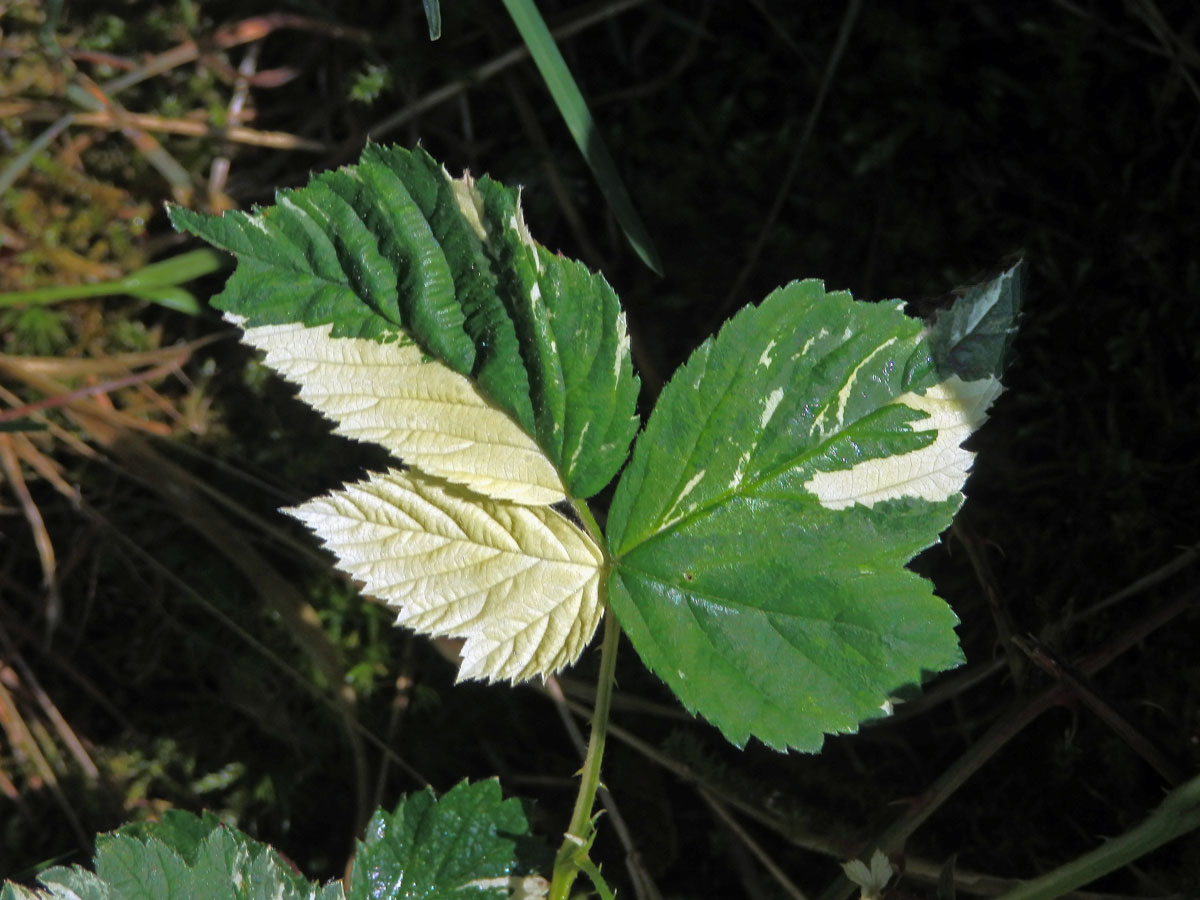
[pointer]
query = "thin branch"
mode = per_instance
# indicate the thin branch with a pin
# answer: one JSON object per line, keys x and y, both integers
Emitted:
{"x": 853, "y": 8}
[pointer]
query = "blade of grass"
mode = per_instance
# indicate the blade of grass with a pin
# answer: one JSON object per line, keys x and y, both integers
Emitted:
{"x": 853, "y": 8}
{"x": 10, "y": 465}
{"x": 171, "y": 298}
{"x": 148, "y": 282}
{"x": 433, "y": 16}
{"x": 21, "y": 161}
{"x": 179, "y": 179}
{"x": 121, "y": 363}
{"x": 64, "y": 397}
{"x": 218, "y": 172}
{"x": 51, "y": 712}
{"x": 489, "y": 70}
{"x": 21, "y": 738}
{"x": 236, "y": 134}
{"x": 575, "y": 113}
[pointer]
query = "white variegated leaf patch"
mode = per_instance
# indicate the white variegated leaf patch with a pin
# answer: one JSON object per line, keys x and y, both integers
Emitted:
{"x": 953, "y": 410}
{"x": 424, "y": 412}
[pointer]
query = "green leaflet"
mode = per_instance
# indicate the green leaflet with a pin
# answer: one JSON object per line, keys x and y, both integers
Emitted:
{"x": 468, "y": 845}
{"x": 973, "y": 336}
{"x": 394, "y": 247}
{"x": 790, "y": 469}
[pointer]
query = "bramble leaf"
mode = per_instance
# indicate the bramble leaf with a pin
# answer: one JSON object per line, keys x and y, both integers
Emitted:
{"x": 183, "y": 857}
{"x": 466, "y": 845}
{"x": 471, "y": 844}
{"x": 790, "y": 469}
{"x": 757, "y": 539}
{"x": 520, "y": 583}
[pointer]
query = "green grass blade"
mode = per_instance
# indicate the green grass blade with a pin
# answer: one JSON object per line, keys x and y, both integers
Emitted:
{"x": 433, "y": 17}
{"x": 157, "y": 282}
{"x": 582, "y": 126}
{"x": 21, "y": 161}
{"x": 175, "y": 298}
{"x": 175, "y": 271}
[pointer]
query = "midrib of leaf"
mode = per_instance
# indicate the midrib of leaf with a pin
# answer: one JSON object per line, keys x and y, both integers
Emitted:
{"x": 793, "y": 462}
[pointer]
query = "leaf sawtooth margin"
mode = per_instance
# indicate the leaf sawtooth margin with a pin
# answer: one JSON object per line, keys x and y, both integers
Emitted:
{"x": 771, "y": 606}
{"x": 521, "y": 584}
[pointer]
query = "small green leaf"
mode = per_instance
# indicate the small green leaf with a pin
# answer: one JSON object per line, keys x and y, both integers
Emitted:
{"x": 465, "y": 846}
{"x": 790, "y": 469}
{"x": 972, "y": 337}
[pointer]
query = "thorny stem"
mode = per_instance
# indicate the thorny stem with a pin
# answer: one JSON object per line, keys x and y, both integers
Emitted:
{"x": 579, "y": 832}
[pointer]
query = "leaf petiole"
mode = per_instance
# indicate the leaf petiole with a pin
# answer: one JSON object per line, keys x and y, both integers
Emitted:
{"x": 578, "y": 837}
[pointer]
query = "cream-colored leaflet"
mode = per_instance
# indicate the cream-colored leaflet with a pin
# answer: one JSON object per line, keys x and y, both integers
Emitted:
{"x": 520, "y": 583}
{"x": 419, "y": 409}
{"x": 954, "y": 408}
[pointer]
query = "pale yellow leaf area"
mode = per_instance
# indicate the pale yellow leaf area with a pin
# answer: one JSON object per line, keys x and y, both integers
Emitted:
{"x": 954, "y": 409}
{"x": 417, "y": 408}
{"x": 521, "y": 584}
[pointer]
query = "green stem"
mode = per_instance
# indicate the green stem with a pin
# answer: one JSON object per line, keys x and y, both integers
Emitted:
{"x": 579, "y": 833}
{"x": 590, "y": 525}
{"x": 1178, "y": 814}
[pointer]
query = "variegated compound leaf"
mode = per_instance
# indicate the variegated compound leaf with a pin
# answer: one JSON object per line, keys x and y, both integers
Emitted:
{"x": 790, "y": 469}
{"x": 391, "y": 394}
{"x": 520, "y": 583}
{"x": 394, "y": 249}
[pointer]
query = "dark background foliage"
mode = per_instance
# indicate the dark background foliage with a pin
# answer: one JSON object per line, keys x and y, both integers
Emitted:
{"x": 948, "y": 138}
